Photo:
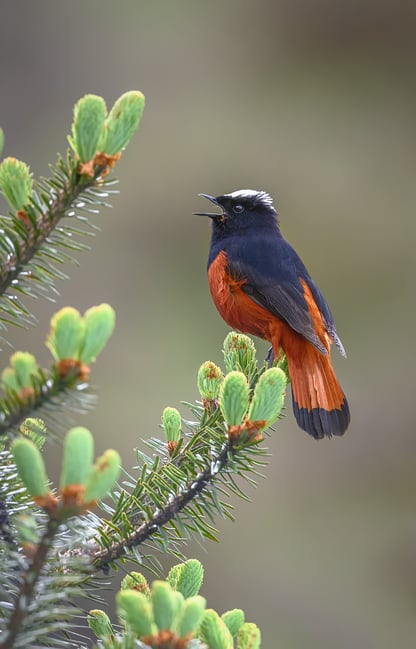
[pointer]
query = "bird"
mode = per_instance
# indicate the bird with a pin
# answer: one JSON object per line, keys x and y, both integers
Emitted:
{"x": 261, "y": 287}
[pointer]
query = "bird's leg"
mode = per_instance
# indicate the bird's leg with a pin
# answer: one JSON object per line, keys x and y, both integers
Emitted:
{"x": 270, "y": 357}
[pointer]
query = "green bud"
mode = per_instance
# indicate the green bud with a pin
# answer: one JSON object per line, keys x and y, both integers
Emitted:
{"x": 268, "y": 397}
{"x": 103, "y": 476}
{"x": 21, "y": 373}
{"x": 27, "y": 528}
{"x": 282, "y": 363}
{"x": 78, "y": 457}
{"x": 214, "y": 632}
{"x": 172, "y": 424}
{"x": 16, "y": 182}
{"x": 249, "y": 636}
{"x": 25, "y": 366}
{"x": 99, "y": 325}
{"x": 191, "y": 615}
{"x": 174, "y": 574}
{"x": 9, "y": 381}
{"x": 179, "y": 600}
{"x": 234, "y": 398}
{"x": 234, "y": 620}
{"x": 210, "y": 378}
{"x": 239, "y": 353}
{"x": 35, "y": 430}
{"x": 136, "y": 581}
{"x": 90, "y": 113}
{"x": 1, "y": 140}
{"x": 165, "y": 605}
{"x": 66, "y": 335}
{"x": 189, "y": 578}
{"x": 136, "y": 611}
{"x": 122, "y": 121}
{"x": 99, "y": 623}
{"x": 30, "y": 467}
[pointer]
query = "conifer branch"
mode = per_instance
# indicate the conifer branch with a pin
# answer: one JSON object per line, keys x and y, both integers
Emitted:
{"x": 179, "y": 497}
{"x": 39, "y": 571}
{"x": 37, "y": 224}
{"x": 202, "y": 481}
{"x": 75, "y": 341}
{"x": 28, "y": 585}
{"x": 48, "y": 390}
{"x": 32, "y": 241}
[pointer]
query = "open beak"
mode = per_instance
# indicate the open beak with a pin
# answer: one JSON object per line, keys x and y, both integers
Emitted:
{"x": 213, "y": 215}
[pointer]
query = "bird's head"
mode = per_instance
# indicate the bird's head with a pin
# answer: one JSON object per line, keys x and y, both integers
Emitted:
{"x": 241, "y": 210}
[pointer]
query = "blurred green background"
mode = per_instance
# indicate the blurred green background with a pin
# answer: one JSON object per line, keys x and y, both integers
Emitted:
{"x": 314, "y": 103}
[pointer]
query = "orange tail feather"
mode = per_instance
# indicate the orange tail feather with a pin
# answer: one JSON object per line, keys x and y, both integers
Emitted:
{"x": 319, "y": 404}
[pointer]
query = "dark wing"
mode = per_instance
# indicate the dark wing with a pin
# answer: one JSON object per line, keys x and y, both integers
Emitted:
{"x": 272, "y": 270}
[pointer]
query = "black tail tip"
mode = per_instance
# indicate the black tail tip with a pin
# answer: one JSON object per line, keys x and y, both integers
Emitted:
{"x": 320, "y": 423}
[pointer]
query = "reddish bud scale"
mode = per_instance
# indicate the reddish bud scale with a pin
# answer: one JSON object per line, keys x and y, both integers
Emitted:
{"x": 23, "y": 217}
{"x": 172, "y": 446}
{"x": 68, "y": 366}
{"x": 72, "y": 495}
{"x": 210, "y": 405}
{"x": 29, "y": 550}
{"x": 27, "y": 393}
{"x": 249, "y": 429}
{"x": 49, "y": 503}
{"x": 166, "y": 640}
{"x": 100, "y": 159}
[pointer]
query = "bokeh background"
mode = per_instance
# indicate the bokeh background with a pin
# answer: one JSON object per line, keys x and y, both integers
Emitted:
{"x": 314, "y": 103}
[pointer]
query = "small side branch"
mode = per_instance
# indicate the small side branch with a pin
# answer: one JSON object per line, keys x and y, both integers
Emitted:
{"x": 27, "y": 587}
{"x": 13, "y": 411}
{"x": 39, "y": 226}
{"x": 103, "y": 558}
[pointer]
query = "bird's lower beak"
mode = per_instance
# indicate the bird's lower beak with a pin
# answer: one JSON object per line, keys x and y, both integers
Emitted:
{"x": 213, "y": 215}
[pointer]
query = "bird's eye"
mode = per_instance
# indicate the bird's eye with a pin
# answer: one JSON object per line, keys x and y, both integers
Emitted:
{"x": 237, "y": 209}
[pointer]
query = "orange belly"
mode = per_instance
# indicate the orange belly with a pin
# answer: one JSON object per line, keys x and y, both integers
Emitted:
{"x": 237, "y": 308}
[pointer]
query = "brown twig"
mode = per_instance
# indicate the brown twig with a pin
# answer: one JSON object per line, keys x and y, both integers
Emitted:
{"x": 102, "y": 558}
{"x": 27, "y": 587}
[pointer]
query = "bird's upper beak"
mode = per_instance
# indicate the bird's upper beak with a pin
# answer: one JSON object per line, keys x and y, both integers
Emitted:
{"x": 213, "y": 215}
